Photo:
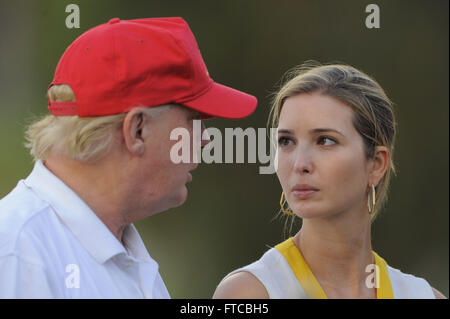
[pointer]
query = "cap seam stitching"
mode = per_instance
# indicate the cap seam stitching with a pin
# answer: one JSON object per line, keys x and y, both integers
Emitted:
{"x": 115, "y": 77}
{"x": 183, "y": 48}
{"x": 196, "y": 95}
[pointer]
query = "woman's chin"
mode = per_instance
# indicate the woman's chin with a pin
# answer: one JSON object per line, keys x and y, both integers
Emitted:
{"x": 307, "y": 215}
{"x": 308, "y": 212}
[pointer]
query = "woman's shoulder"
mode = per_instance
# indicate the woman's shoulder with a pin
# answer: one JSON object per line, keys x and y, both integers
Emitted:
{"x": 247, "y": 281}
{"x": 241, "y": 285}
{"x": 268, "y": 277}
{"x": 438, "y": 294}
{"x": 409, "y": 286}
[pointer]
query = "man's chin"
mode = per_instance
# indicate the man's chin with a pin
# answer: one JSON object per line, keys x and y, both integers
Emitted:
{"x": 180, "y": 198}
{"x": 174, "y": 200}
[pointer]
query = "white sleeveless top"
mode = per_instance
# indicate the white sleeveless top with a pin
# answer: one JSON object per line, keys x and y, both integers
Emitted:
{"x": 277, "y": 276}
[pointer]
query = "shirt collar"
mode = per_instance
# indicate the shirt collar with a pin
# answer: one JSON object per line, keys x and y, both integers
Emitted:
{"x": 92, "y": 233}
{"x": 135, "y": 245}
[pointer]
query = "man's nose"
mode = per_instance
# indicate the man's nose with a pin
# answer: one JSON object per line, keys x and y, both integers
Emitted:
{"x": 205, "y": 136}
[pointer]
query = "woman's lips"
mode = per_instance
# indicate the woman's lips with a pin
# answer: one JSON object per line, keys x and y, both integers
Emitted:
{"x": 304, "y": 194}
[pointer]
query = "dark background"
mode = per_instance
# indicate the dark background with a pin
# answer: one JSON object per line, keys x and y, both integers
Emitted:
{"x": 227, "y": 220}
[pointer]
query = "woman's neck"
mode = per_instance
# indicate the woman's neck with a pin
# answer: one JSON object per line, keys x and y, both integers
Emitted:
{"x": 338, "y": 250}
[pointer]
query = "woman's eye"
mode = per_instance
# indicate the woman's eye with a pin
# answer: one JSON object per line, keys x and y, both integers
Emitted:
{"x": 283, "y": 141}
{"x": 324, "y": 140}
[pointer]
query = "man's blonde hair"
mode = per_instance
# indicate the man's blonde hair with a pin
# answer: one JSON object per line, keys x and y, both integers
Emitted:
{"x": 81, "y": 138}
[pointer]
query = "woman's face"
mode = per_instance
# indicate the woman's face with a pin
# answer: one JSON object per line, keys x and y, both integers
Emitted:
{"x": 321, "y": 163}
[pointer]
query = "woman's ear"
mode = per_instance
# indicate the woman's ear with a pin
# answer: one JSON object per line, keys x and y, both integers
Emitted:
{"x": 133, "y": 126}
{"x": 380, "y": 164}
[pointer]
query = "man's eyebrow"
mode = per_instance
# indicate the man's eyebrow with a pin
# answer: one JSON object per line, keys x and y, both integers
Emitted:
{"x": 313, "y": 131}
{"x": 193, "y": 113}
{"x": 197, "y": 113}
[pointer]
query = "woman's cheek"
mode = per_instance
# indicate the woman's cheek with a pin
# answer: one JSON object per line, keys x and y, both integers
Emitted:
{"x": 284, "y": 169}
{"x": 343, "y": 177}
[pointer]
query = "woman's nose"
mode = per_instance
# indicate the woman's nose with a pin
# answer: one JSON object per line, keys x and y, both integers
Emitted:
{"x": 303, "y": 162}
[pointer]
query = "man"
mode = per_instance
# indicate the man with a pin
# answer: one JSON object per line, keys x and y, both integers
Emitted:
{"x": 103, "y": 162}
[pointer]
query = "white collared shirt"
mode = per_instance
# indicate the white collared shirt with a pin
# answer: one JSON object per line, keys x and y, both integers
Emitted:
{"x": 52, "y": 245}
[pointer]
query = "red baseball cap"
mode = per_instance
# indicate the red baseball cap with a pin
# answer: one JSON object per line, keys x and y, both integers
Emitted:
{"x": 145, "y": 62}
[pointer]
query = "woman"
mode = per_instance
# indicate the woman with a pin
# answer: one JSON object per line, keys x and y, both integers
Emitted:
{"x": 335, "y": 133}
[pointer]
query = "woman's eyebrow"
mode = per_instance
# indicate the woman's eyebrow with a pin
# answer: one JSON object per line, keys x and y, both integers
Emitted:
{"x": 313, "y": 131}
{"x": 284, "y": 131}
{"x": 324, "y": 130}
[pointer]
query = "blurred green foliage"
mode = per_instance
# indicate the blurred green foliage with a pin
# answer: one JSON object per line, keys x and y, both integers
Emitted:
{"x": 227, "y": 220}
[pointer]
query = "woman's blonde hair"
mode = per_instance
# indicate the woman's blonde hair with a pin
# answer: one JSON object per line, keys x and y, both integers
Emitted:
{"x": 373, "y": 119}
{"x": 81, "y": 138}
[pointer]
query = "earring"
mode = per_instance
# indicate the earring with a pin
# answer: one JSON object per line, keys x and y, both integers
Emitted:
{"x": 282, "y": 201}
{"x": 371, "y": 203}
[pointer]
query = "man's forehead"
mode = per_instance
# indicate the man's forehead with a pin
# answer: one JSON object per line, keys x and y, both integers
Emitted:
{"x": 192, "y": 112}
{"x": 187, "y": 112}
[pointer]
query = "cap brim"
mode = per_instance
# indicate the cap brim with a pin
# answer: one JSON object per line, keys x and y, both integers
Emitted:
{"x": 224, "y": 102}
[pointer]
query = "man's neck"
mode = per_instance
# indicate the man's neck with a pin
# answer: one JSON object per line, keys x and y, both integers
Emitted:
{"x": 97, "y": 187}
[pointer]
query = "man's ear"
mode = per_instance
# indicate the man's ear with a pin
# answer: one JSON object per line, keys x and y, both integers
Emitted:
{"x": 379, "y": 165}
{"x": 133, "y": 126}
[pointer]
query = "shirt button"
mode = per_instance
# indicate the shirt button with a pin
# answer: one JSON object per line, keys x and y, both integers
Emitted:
{"x": 128, "y": 263}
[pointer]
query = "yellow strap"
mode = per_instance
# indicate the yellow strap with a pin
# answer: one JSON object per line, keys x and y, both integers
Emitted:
{"x": 309, "y": 282}
{"x": 385, "y": 290}
{"x": 301, "y": 269}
